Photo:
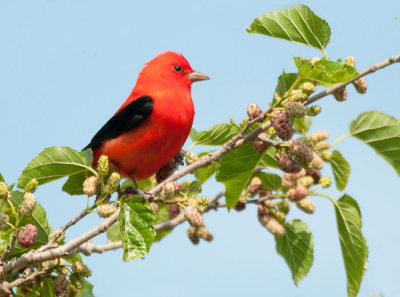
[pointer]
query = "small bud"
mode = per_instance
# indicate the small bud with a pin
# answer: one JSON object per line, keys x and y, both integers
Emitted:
{"x": 325, "y": 182}
{"x": 154, "y": 206}
{"x": 360, "y": 85}
{"x": 255, "y": 186}
{"x": 60, "y": 286}
{"x": 300, "y": 150}
{"x": 275, "y": 227}
{"x": 282, "y": 125}
{"x": 350, "y": 61}
{"x": 284, "y": 206}
{"x": 106, "y": 210}
{"x": 306, "y": 205}
{"x": 314, "y": 110}
{"x": 191, "y": 158}
{"x": 306, "y": 181}
{"x": 253, "y": 111}
{"x": 62, "y": 271}
{"x": 60, "y": 238}
{"x": 185, "y": 185}
{"x": 91, "y": 185}
{"x": 165, "y": 171}
{"x": 298, "y": 95}
{"x": 288, "y": 165}
{"x": 28, "y": 237}
{"x": 193, "y": 236}
{"x": 326, "y": 155}
{"x": 295, "y": 109}
{"x": 194, "y": 217}
{"x": 315, "y": 60}
{"x": 298, "y": 193}
{"x": 4, "y": 219}
{"x": 260, "y": 146}
{"x": 308, "y": 88}
{"x": 82, "y": 269}
{"x": 103, "y": 167}
{"x": 315, "y": 174}
{"x": 319, "y": 136}
{"x": 173, "y": 211}
{"x": 341, "y": 94}
{"x": 31, "y": 185}
{"x": 202, "y": 203}
{"x": 28, "y": 205}
{"x": 4, "y": 193}
{"x": 203, "y": 232}
{"x": 168, "y": 191}
{"x": 317, "y": 162}
{"x": 271, "y": 132}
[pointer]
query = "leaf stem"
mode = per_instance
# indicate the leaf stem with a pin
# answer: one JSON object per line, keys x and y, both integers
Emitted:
{"x": 325, "y": 54}
{"x": 323, "y": 195}
{"x": 339, "y": 140}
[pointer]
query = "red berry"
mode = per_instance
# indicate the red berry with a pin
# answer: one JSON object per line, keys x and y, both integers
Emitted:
{"x": 28, "y": 236}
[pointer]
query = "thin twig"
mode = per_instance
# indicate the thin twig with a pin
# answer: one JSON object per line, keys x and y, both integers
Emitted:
{"x": 6, "y": 286}
{"x": 270, "y": 141}
{"x": 10, "y": 246}
{"x": 369, "y": 70}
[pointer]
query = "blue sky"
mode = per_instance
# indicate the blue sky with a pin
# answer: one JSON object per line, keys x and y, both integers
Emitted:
{"x": 66, "y": 66}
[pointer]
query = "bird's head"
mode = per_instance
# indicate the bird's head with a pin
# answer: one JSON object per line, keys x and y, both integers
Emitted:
{"x": 170, "y": 68}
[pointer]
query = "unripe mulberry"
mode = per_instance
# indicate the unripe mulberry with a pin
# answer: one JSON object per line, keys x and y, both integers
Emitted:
{"x": 314, "y": 110}
{"x": 193, "y": 236}
{"x": 4, "y": 193}
{"x": 203, "y": 232}
{"x": 253, "y": 111}
{"x": 60, "y": 238}
{"x": 28, "y": 205}
{"x": 326, "y": 155}
{"x": 91, "y": 185}
{"x": 112, "y": 183}
{"x": 288, "y": 165}
{"x": 360, "y": 85}
{"x": 317, "y": 162}
{"x": 308, "y": 88}
{"x": 297, "y": 193}
{"x": 4, "y": 219}
{"x": 173, "y": 211}
{"x": 168, "y": 191}
{"x": 315, "y": 174}
{"x": 325, "y": 182}
{"x": 281, "y": 217}
{"x": 260, "y": 146}
{"x": 255, "y": 186}
{"x": 319, "y": 136}
{"x": 275, "y": 227}
{"x": 350, "y": 61}
{"x": 31, "y": 185}
{"x": 185, "y": 185}
{"x": 341, "y": 94}
{"x": 288, "y": 182}
{"x": 262, "y": 215}
{"x": 28, "y": 237}
{"x": 194, "y": 217}
{"x": 298, "y": 95}
{"x": 106, "y": 210}
{"x": 306, "y": 181}
{"x": 284, "y": 206}
{"x": 60, "y": 286}
{"x": 82, "y": 269}
{"x": 306, "y": 205}
{"x": 165, "y": 171}
{"x": 282, "y": 125}
{"x": 295, "y": 109}
{"x": 191, "y": 158}
{"x": 103, "y": 167}
{"x": 300, "y": 150}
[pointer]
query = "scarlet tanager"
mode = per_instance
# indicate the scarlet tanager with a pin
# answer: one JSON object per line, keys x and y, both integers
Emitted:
{"x": 152, "y": 125}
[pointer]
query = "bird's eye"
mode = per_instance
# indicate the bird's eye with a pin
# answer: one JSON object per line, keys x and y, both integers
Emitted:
{"x": 177, "y": 68}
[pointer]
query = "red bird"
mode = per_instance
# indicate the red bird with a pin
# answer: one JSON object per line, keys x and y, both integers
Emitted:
{"x": 152, "y": 125}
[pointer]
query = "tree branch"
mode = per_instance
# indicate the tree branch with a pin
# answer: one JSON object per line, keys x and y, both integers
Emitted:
{"x": 369, "y": 70}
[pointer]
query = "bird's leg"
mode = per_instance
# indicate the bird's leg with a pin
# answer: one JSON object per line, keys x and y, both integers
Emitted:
{"x": 179, "y": 159}
{"x": 144, "y": 194}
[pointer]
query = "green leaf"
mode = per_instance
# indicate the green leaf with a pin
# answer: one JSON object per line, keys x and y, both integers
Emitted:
{"x": 54, "y": 163}
{"x": 203, "y": 174}
{"x": 136, "y": 224}
{"x": 114, "y": 233}
{"x": 5, "y": 239}
{"x": 217, "y": 135}
{"x": 194, "y": 188}
{"x": 268, "y": 160}
{"x": 285, "y": 81}
{"x": 236, "y": 169}
{"x": 48, "y": 288}
{"x": 302, "y": 125}
{"x": 325, "y": 72}
{"x": 340, "y": 169}
{"x": 297, "y": 248}
{"x": 74, "y": 258}
{"x": 297, "y": 24}
{"x": 87, "y": 289}
{"x": 38, "y": 218}
{"x": 162, "y": 216}
{"x": 352, "y": 242}
{"x": 270, "y": 181}
{"x": 381, "y": 132}
{"x": 74, "y": 184}
{"x": 193, "y": 133}
{"x": 1, "y": 178}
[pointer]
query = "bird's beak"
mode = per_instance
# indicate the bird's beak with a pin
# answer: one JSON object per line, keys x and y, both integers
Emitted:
{"x": 197, "y": 76}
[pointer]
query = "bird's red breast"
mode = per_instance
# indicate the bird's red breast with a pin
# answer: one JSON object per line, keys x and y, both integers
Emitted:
{"x": 145, "y": 135}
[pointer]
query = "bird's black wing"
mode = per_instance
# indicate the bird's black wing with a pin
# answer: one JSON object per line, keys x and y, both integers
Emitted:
{"x": 128, "y": 118}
